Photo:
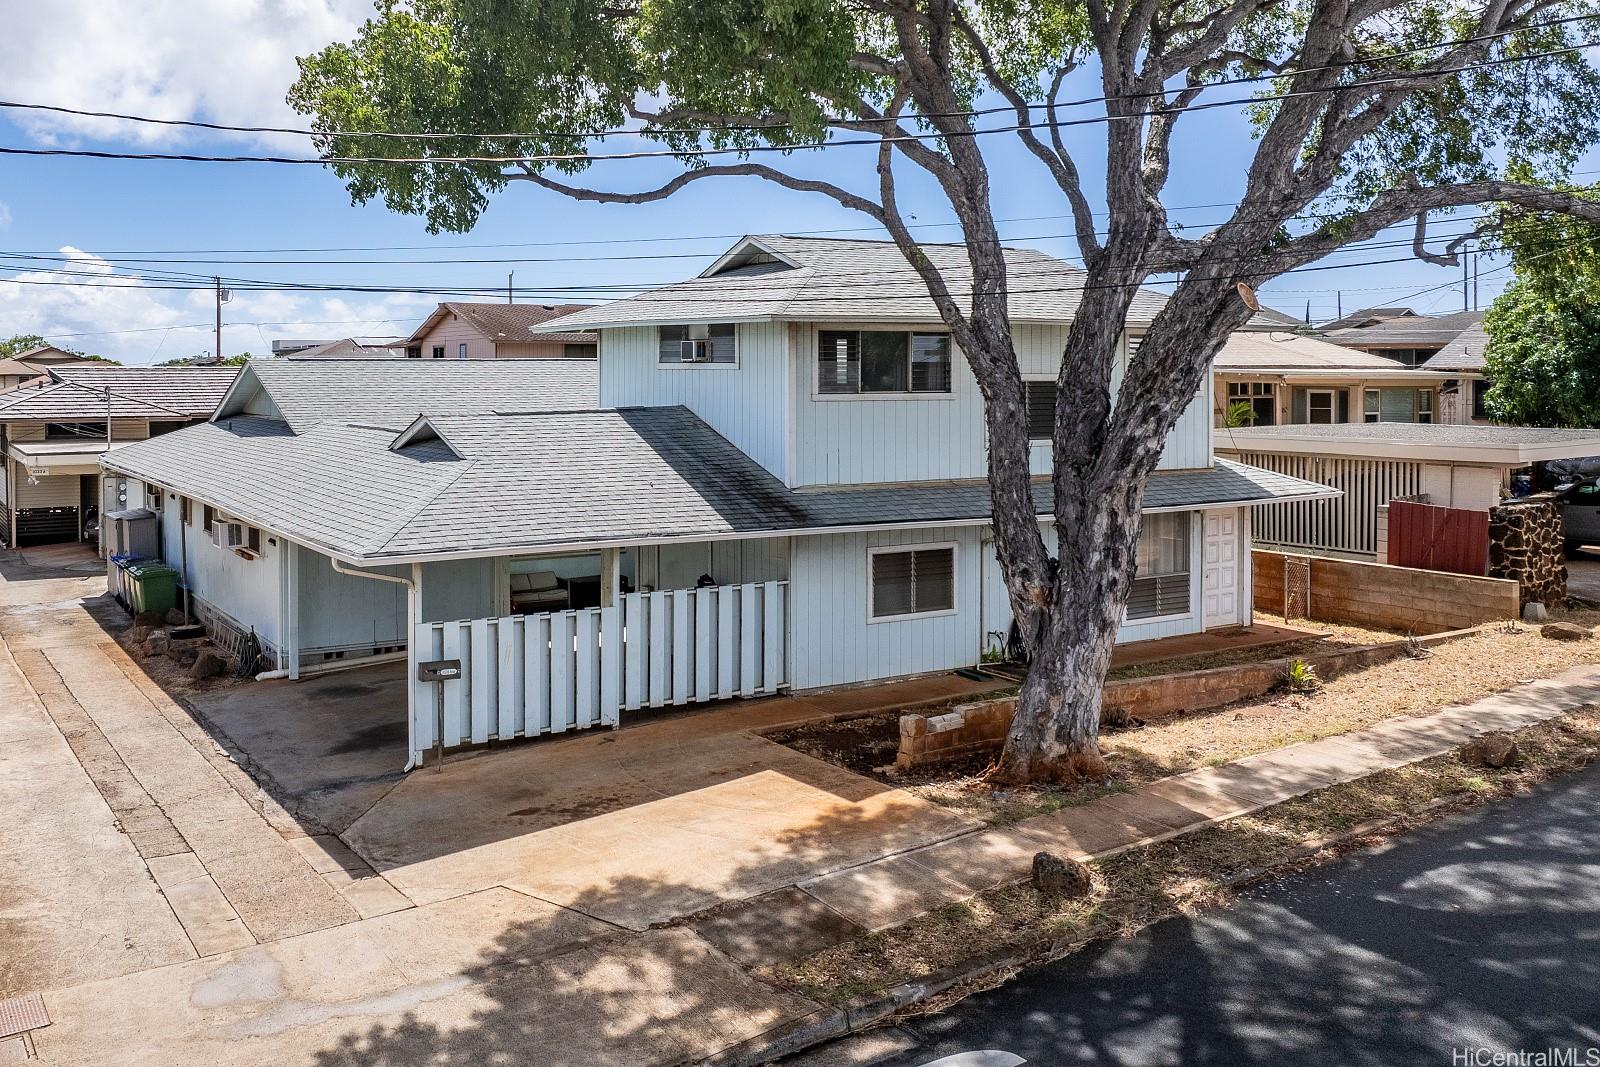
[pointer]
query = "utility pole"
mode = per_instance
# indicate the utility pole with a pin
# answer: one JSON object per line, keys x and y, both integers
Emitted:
{"x": 1339, "y": 303}
{"x": 223, "y": 296}
{"x": 1466, "y": 304}
{"x": 510, "y": 278}
{"x": 1475, "y": 305}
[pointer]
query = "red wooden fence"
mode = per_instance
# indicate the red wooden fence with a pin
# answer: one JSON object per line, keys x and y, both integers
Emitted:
{"x": 1438, "y": 539}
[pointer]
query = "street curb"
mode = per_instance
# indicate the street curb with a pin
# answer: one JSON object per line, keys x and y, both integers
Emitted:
{"x": 860, "y": 1013}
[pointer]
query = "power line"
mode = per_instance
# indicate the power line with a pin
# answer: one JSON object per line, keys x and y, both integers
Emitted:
{"x": 111, "y": 257}
{"x": 705, "y": 153}
{"x": 192, "y": 281}
{"x": 765, "y": 126}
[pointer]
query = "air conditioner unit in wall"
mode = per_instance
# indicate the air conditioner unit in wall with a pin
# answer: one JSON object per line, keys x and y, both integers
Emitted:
{"x": 697, "y": 350}
{"x": 229, "y": 535}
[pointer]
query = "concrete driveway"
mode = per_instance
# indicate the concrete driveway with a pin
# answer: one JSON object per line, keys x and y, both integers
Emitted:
{"x": 1583, "y": 574}
{"x": 632, "y": 827}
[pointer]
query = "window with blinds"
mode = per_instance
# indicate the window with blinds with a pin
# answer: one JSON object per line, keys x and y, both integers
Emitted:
{"x": 882, "y": 361}
{"x": 1161, "y": 574}
{"x": 917, "y": 581}
{"x": 1039, "y": 407}
{"x": 718, "y": 344}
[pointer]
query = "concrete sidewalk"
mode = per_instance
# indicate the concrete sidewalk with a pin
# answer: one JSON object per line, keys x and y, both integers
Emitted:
{"x": 502, "y": 973}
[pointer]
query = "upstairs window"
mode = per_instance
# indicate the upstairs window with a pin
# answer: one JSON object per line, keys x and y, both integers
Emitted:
{"x": 68, "y": 431}
{"x": 882, "y": 361}
{"x": 919, "y": 581}
{"x": 1161, "y": 574}
{"x": 708, "y": 345}
{"x": 1039, "y": 406}
{"x": 437, "y": 352}
{"x": 1480, "y": 396}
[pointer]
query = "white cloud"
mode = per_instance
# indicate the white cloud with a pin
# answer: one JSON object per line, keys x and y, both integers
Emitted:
{"x": 84, "y": 303}
{"x": 228, "y": 61}
{"x": 5, "y": 215}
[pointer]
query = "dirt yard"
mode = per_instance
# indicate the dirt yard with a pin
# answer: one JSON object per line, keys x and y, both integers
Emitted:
{"x": 1450, "y": 673}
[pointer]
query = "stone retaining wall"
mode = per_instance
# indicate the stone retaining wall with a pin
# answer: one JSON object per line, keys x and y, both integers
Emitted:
{"x": 1525, "y": 545}
{"x": 927, "y": 739}
{"x": 1392, "y": 598}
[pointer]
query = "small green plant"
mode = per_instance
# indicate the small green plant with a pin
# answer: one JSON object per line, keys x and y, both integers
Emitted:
{"x": 1302, "y": 677}
{"x": 1240, "y": 415}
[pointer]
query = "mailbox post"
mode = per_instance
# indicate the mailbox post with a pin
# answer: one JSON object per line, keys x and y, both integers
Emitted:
{"x": 439, "y": 671}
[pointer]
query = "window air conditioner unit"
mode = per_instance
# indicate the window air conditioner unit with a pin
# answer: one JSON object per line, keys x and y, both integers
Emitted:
{"x": 697, "y": 350}
{"x": 229, "y": 535}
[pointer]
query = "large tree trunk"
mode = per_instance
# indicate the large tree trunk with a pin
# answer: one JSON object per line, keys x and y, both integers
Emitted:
{"x": 1055, "y": 733}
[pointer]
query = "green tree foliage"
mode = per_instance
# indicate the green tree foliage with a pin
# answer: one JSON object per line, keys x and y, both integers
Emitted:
{"x": 21, "y": 342}
{"x": 1543, "y": 358}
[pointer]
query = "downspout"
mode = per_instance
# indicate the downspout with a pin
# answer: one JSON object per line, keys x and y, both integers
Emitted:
{"x": 413, "y": 620}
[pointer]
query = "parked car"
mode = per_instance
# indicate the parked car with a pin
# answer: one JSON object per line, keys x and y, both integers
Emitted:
{"x": 1558, "y": 473}
{"x": 1580, "y": 513}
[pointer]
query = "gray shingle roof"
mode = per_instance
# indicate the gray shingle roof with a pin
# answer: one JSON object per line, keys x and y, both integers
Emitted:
{"x": 848, "y": 280}
{"x": 558, "y": 480}
{"x": 393, "y": 393}
{"x": 1409, "y": 331}
{"x": 1463, "y": 353}
{"x": 509, "y": 322}
{"x": 76, "y": 392}
{"x": 349, "y": 348}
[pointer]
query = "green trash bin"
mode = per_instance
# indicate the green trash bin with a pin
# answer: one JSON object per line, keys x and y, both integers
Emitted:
{"x": 154, "y": 587}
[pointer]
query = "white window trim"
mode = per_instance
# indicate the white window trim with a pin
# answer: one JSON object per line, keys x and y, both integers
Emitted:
{"x": 858, "y": 397}
{"x": 1333, "y": 406}
{"x": 955, "y": 581}
{"x": 737, "y": 355}
{"x": 1196, "y": 518}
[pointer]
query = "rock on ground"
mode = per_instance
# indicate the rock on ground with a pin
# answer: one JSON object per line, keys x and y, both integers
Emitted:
{"x": 1057, "y": 877}
{"x": 1565, "y": 631}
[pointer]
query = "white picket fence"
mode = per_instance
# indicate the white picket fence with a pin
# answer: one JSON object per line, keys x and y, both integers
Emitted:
{"x": 526, "y": 675}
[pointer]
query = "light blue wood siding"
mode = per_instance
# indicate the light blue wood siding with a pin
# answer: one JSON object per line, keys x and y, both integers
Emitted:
{"x": 834, "y": 642}
{"x": 866, "y": 440}
{"x": 747, "y": 403}
{"x": 343, "y": 611}
{"x": 997, "y": 605}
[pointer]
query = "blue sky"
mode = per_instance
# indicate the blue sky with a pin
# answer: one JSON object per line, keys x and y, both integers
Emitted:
{"x": 227, "y": 61}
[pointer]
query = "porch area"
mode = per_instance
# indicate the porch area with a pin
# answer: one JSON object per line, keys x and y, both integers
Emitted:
{"x": 576, "y": 641}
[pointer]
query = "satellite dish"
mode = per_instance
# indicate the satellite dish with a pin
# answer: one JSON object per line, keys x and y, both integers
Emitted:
{"x": 1248, "y": 295}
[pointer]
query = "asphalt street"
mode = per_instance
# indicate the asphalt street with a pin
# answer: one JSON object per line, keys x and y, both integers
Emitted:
{"x": 1475, "y": 935}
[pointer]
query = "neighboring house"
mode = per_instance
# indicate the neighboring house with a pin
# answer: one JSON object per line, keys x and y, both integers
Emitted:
{"x": 296, "y": 346}
{"x": 783, "y": 487}
{"x": 27, "y": 367}
{"x": 1271, "y": 379}
{"x": 52, "y": 436}
{"x": 457, "y": 330}
{"x": 1372, "y": 464}
{"x": 1462, "y": 395}
{"x": 351, "y": 348}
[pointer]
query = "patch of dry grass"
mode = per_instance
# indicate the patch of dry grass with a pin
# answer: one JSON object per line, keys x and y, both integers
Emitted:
{"x": 1186, "y": 873}
{"x": 1331, "y": 637}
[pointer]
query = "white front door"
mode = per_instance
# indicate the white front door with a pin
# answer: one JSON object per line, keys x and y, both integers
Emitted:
{"x": 1222, "y": 568}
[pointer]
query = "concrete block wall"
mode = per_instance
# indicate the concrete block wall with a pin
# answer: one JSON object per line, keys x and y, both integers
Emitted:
{"x": 949, "y": 734}
{"x": 1393, "y": 598}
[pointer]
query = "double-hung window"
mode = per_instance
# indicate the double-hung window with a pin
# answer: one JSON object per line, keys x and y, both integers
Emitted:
{"x": 1161, "y": 575}
{"x": 708, "y": 345}
{"x": 882, "y": 361}
{"x": 913, "y": 581}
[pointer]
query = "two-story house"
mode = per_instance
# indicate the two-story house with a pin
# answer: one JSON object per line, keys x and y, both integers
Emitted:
{"x": 52, "y": 436}
{"x": 777, "y": 481}
{"x": 461, "y": 330}
{"x": 1276, "y": 378}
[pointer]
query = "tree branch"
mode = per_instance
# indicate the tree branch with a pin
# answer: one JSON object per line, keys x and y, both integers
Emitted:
{"x": 729, "y": 170}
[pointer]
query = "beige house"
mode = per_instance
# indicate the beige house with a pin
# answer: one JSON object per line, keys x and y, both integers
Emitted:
{"x": 458, "y": 330}
{"x": 30, "y": 366}
{"x": 52, "y": 436}
{"x": 1283, "y": 379}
